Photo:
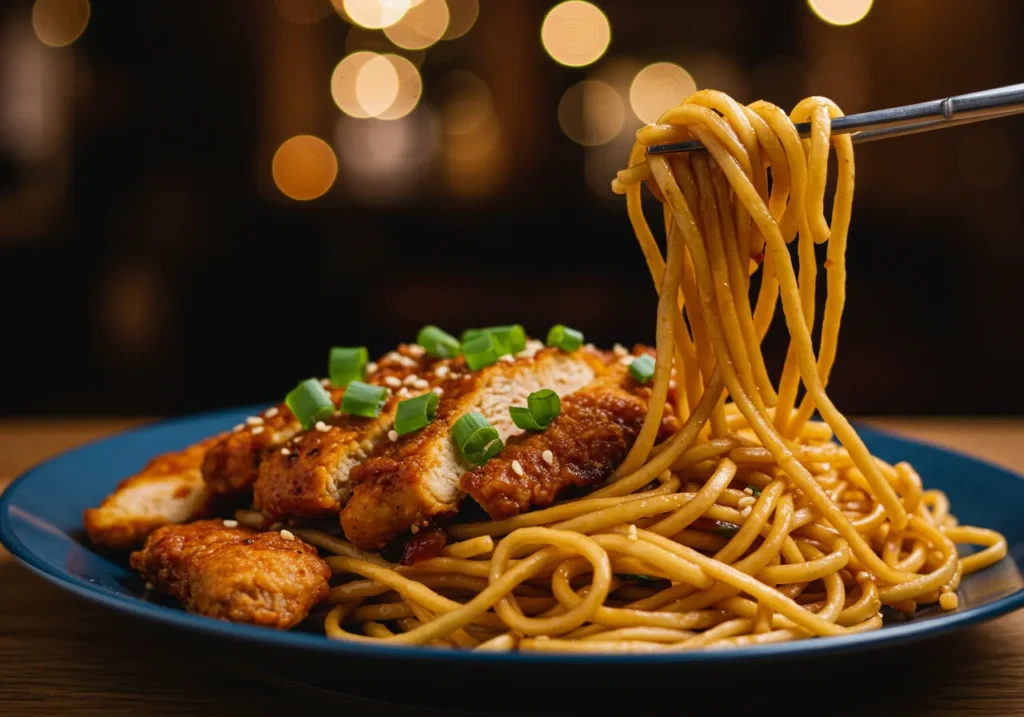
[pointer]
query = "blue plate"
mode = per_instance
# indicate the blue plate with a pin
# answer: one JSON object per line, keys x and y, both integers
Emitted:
{"x": 41, "y": 525}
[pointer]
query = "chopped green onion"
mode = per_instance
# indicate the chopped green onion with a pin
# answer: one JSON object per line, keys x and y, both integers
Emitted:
{"x": 543, "y": 407}
{"x": 508, "y": 339}
{"x": 476, "y": 438}
{"x": 637, "y": 578}
{"x": 642, "y": 368}
{"x": 363, "y": 399}
{"x": 309, "y": 402}
{"x": 480, "y": 352}
{"x": 564, "y": 338}
{"x": 438, "y": 343}
{"x": 415, "y": 413}
{"x": 347, "y": 364}
{"x": 726, "y": 530}
{"x": 754, "y": 489}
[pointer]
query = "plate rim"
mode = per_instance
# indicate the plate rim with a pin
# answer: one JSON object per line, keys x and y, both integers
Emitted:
{"x": 321, "y": 644}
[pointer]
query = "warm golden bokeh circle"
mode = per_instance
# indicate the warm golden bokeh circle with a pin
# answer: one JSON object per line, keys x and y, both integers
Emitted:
{"x": 304, "y": 167}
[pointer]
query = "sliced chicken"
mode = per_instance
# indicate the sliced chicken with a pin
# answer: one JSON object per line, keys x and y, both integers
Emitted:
{"x": 582, "y": 447}
{"x": 169, "y": 489}
{"x": 416, "y": 479}
{"x": 231, "y": 573}
{"x": 308, "y": 477}
{"x": 232, "y": 464}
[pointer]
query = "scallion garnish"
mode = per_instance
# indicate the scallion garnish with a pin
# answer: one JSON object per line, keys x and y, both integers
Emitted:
{"x": 642, "y": 368}
{"x": 309, "y": 402}
{"x": 564, "y": 338}
{"x": 726, "y": 530}
{"x": 542, "y": 407}
{"x": 476, "y": 438}
{"x": 347, "y": 364}
{"x": 637, "y": 578}
{"x": 754, "y": 489}
{"x": 480, "y": 351}
{"x": 363, "y": 399}
{"x": 508, "y": 339}
{"x": 438, "y": 343}
{"x": 415, "y": 413}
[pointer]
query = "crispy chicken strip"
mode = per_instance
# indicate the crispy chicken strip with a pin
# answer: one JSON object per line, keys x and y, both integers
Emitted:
{"x": 309, "y": 476}
{"x": 416, "y": 479}
{"x": 232, "y": 464}
{"x": 235, "y": 573}
{"x": 582, "y": 447}
{"x": 169, "y": 489}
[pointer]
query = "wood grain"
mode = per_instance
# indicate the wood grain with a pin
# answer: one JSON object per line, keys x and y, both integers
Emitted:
{"x": 61, "y": 655}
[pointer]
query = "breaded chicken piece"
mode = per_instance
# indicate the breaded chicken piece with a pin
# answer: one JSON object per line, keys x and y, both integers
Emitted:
{"x": 309, "y": 477}
{"x": 168, "y": 490}
{"x": 232, "y": 464}
{"x": 235, "y": 574}
{"x": 416, "y": 479}
{"x": 582, "y": 447}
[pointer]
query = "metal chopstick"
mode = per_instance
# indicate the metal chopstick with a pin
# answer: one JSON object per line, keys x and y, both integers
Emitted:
{"x": 908, "y": 119}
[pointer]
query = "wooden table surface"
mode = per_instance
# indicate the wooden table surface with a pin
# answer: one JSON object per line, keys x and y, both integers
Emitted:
{"x": 62, "y": 655}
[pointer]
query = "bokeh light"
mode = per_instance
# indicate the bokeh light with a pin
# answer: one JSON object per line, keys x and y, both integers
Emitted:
{"x": 424, "y": 24}
{"x": 303, "y": 12}
{"x": 462, "y": 16}
{"x": 840, "y": 12}
{"x": 58, "y": 23}
{"x": 410, "y": 88}
{"x": 985, "y": 156}
{"x": 659, "y": 87}
{"x": 343, "y": 83}
{"x": 576, "y": 33}
{"x": 304, "y": 167}
{"x": 591, "y": 113}
{"x": 375, "y": 14}
{"x": 376, "y": 85}
{"x": 466, "y": 103}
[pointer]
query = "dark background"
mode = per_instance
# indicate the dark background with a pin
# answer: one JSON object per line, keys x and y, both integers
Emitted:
{"x": 148, "y": 264}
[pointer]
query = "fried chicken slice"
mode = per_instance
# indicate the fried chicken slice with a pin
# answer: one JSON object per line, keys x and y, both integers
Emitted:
{"x": 582, "y": 447}
{"x": 309, "y": 477}
{"x": 235, "y": 574}
{"x": 416, "y": 479}
{"x": 168, "y": 490}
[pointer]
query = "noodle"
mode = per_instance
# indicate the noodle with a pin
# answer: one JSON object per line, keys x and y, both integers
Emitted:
{"x": 752, "y": 524}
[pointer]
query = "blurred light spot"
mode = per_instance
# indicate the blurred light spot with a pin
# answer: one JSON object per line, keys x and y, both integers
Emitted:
{"x": 575, "y": 33}
{"x": 601, "y": 163}
{"x": 410, "y": 88}
{"x": 304, "y": 167}
{"x": 359, "y": 39}
{"x": 657, "y": 88}
{"x": 462, "y": 17}
{"x": 343, "y": 83}
{"x": 382, "y": 162}
{"x": 477, "y": 162}
{"x": 986, "y": 158}
{"x": 840, "y": 12}
{"x": 843, "y": 78}
{"x": 466, "y": 104}
{"x": 376, "y": 85}
{"x": 303, "y": 12}
{"x": 375, "y": 14}
{"x": 130, "y": 310}
{"x": 713, "y": 71}
{"x": 424, "y": 24}
{"x": 58, "y": 23}
{"x": 591, "y": 113}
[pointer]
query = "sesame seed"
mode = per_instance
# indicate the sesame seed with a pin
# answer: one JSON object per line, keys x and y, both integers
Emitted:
{"x": 393, "y": 356}
{"x": 631, "y": 533}
{"x": 416, "y": 350}
{"x": 746, "y": 501}
{"x": 548, "y": 457}
{"x": 254, "y": 420}
{"x": 322, "y": 427}
{"x": 619, "y": 350}
{"x": 271, "y": 412}
{"x": 441, "y": 371}
{"x": 406, "y": 361}
{"x": 745, "y": 513}
{"x": 748, "y": 490}
{"x": 258, "y": 430}
{"x": 421, "y": 384}
{"x": 438, "y": 390}
{"x": 325, "y": 382}
{"x": 589, "y": 347}
{"x": 411, "y": 379}
{"x": 393, "y": 381}
{"x": 287, "y": 534}
{"x": 403, "y": 392}
{"x": 507, "y": 358}
{"x": 371, "y": 367}
{"x": 517, "y": 468}
{"x": 237, "y": 428}
{"x": 230, "y": 523}
{"x": 392, "y": 435}
{"x": 626, "y": 360}
{"x": 285, "y": 452}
